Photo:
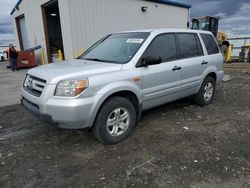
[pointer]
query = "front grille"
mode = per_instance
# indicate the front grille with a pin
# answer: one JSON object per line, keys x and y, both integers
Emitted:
{"x": 34, "y": 85}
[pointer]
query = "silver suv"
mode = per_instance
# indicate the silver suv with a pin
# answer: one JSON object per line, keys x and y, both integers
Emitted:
{"x": 121, "y": 75}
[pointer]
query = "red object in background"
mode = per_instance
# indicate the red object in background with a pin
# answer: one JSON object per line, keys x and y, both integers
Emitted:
{"x": 25, "y": 59}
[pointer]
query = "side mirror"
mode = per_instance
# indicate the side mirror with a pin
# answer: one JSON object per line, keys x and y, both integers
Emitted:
{"x": 150, "y": 60}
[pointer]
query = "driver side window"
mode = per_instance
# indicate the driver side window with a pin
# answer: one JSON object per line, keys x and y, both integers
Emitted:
{"x": 164, "y": 46}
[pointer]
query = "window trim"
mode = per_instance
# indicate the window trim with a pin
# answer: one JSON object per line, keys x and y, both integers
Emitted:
{"x": 198, "y": 45}
{"x": 140, "y": 59}
{"x": 198, "y": 41}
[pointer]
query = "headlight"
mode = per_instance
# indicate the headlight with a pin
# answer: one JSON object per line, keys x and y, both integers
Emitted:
{"x": 71, "y": 88}
{"x": 26, "y": 81}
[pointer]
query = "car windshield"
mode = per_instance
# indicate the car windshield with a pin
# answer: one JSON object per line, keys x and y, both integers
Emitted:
{"x": 116, "y": 48}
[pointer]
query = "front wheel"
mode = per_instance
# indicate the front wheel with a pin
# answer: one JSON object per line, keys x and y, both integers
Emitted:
{"x": 115, "y": 120}
{"x": 206, "y": 93}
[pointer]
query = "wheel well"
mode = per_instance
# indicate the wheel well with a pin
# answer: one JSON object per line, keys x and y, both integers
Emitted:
{"x": 213, "y": 75}
{"x": 130, "y": 96}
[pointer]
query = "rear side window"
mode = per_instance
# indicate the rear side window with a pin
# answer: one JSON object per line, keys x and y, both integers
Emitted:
{"x": 189, "y": 45}
{"x": 164, "y": 46}
{"x": 210, "y": 44}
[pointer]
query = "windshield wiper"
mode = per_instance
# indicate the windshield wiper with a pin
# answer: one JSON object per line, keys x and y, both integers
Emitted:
{"x": 94, "y": 59}
{"x": 100, "y": 60}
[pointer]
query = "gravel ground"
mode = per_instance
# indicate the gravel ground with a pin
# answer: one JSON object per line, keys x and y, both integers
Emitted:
{"x": 175, "y": 145}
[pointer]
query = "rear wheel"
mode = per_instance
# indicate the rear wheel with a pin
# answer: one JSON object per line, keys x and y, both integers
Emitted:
{"x": 2, "y": 58}
{"x": 206, "y": 93}
{"x": 115, "y": 120}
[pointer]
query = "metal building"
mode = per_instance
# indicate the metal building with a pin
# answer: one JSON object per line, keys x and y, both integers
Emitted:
{"x": 73, "y": 25}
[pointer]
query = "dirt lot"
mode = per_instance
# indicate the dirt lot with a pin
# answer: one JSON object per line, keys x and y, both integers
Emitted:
{"x": 176, "y": 145}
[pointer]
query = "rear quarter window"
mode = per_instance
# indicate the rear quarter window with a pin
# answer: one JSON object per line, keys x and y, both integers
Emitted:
{"x": 210, "y": 43}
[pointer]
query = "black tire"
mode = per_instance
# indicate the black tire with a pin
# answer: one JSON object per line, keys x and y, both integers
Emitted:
{"x": 200, "y": 98}
{"x": 2, "y": 58}
{"x": 101, "y": 130}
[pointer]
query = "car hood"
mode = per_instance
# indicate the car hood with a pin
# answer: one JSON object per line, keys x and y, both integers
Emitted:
{"x": 76, "y": 68}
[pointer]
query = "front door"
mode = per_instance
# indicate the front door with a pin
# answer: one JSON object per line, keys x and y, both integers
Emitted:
{"x": 161, "y": 82}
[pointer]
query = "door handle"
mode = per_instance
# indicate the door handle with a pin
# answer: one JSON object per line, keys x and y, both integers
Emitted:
{"x": 176, "y": 68}
{"x": 204, "y": 62}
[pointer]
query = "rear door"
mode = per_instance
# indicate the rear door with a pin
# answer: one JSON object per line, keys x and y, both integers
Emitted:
{"x": 161, "y": 83}
{"x": 213, "y": 57}
{"x": 191, "y": 61}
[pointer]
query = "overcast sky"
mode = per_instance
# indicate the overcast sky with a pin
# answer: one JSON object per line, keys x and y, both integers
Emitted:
{"x": 6, "y": 28}
{"x": 235, "y": 16}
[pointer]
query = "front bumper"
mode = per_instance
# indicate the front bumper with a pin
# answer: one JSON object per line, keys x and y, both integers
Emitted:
{"x": 34, "y": 109}
{"x": 65, "y": 113}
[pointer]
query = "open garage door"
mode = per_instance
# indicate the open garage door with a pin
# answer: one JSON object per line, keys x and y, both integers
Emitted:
{"x": 22, "y": 32}
{"x": 52, "y": 29}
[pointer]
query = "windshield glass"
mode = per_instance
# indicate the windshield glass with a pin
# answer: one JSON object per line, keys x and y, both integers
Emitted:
{"x": 117, "y": 48}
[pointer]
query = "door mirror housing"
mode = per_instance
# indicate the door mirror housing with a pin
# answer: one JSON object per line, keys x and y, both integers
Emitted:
{"x": 150, "y": 60}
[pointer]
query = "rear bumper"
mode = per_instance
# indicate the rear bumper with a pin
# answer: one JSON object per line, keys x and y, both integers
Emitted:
{"x": 220, "y": 76}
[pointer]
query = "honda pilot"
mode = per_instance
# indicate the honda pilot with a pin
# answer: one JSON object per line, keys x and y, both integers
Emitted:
{"x": 109, "y": 86}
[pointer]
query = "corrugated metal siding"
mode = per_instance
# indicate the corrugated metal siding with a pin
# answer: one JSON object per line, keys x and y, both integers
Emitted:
{"x": 85, "y": 21}
{"x": 66, "y": 28}
{"x": 91, "y": 20}
{"x": 34, "y": 22}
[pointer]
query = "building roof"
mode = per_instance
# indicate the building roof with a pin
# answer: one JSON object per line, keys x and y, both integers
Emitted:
{"x": 16, "y": 6}
{"x": 172, "y": 2}
{"x": 167, "y": 2}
